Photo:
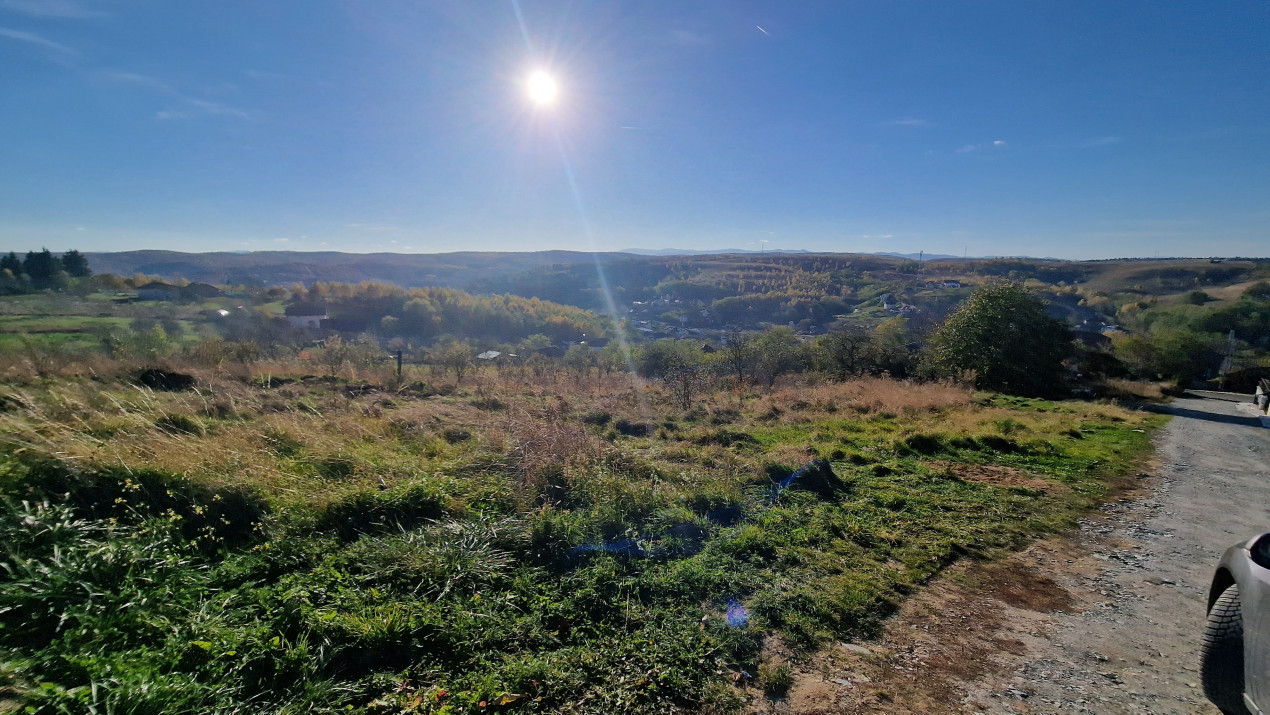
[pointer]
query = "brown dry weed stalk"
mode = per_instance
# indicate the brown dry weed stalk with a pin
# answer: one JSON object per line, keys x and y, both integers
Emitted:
{"x": 872, "y": 394}
{"x": 544, "y": 446}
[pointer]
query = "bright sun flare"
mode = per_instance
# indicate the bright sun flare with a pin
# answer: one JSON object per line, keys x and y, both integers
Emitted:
{"x": 542, "y": 88}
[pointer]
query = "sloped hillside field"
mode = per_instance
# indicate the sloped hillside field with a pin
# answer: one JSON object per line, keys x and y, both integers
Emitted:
{"x": 517, "y": 542}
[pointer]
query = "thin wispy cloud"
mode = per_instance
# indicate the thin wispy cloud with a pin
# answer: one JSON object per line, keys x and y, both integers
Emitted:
{"x": 690, "y": 38}
{"x": 133, "y": 78}
{"x": 186, "y": 107}
{"x": 34, "y": 39}
{"x": 261, "y": 76}
{"x": 195, "y": 108}
{"x": 216, "y": 108}
{"x": 64, "y": 9}
{"x": 971, "y": 148}
{"x": 371, "y": 227}
{"x": 1100, "y": 141}
{"x": 907, "y": 122}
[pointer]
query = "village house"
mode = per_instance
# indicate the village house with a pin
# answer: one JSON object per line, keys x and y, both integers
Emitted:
{"x": 307, "y": 316}
{"x": 158, "y": 290}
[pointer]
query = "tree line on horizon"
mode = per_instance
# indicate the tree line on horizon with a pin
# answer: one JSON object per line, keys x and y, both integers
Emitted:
{"x": 40, "y": 270}
{"x": 1183, "y": 340}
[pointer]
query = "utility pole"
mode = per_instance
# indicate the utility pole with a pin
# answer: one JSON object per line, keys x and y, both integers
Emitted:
{"x": 1227, "y": 363}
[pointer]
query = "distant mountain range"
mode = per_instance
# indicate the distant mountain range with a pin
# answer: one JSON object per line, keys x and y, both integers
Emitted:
{"x": 466, "y": 269}
{"x": 411, "y": 270}
{"x": 708, "y": 252}
{"x": 693, "y": 252}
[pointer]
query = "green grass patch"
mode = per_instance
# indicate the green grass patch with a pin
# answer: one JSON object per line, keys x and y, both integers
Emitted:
{"x": 407, "y": 565}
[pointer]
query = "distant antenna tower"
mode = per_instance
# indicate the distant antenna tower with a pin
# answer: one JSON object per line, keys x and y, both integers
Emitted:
{"x": 919, "y": 259}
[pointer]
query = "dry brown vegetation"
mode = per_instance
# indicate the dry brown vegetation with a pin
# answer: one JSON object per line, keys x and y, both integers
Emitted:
{"x": 502, "y": 495}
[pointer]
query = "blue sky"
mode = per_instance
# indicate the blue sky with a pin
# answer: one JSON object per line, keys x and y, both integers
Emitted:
{"x": 1076, "y": 129}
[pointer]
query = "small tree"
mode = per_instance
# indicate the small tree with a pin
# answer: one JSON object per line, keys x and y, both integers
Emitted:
{"x": 11, "y": 263}
{"x": 662, "y": 357}
{"x": 1170, "y": 353}
{"x": 1003, "y": 334}
{"x": 776, "y": 352}
{"x": 579, "y": 359}
{"x": 845, "y": 352}
{"x": 685, "y": 382}
{"x": 738, "y": 356}
{"x": 457, "y": 357}
{"x": 75, "y": 265}
{"x": 613, "y": 358}
{"x": 43, "y": 268}
{"x": 889, "y": 351}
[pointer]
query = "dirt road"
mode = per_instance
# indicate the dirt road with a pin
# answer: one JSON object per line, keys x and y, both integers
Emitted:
{"x": 1107, "y": 621}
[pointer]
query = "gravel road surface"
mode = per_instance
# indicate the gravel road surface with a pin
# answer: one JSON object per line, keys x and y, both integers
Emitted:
{"x": 1107, "y": 620}
{"x": 1137, "y": 649}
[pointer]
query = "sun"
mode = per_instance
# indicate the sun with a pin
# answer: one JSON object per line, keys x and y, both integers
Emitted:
{"x": 542, "y": 88}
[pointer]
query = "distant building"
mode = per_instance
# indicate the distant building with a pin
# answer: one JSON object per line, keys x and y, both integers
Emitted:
{"x": 200, "y": 290}
{"x": 308, "y": 316}
{"x": 489, "y": 355}
{"x": 158, "y": 290}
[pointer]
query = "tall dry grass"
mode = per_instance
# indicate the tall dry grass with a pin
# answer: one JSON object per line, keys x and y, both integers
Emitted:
{"x": 1125, "y": 389}
{"x": 871, "y": 394}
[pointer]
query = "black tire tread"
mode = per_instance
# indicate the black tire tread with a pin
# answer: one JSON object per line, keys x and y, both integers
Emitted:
{"x": 1222, "y": 654}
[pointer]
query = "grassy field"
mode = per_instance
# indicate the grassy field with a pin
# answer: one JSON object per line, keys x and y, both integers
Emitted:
{"x": 513, "y": 543}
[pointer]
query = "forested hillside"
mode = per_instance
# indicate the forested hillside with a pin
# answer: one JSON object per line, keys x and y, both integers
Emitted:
{"x": 268, "y": 268}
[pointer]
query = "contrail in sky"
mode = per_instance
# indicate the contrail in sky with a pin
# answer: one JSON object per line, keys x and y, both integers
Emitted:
{"x": 765, "y": 32}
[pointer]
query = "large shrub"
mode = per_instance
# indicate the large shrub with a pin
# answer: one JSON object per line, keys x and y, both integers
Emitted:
{"x": 1004, "y": 335}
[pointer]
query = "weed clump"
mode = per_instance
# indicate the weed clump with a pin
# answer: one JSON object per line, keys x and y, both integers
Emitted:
{"x": 775, "y": 680}
{"x": 165, "y": 380}
{"x": 924, "y": 443}
{"x": 632, "y": 429}
{"x": 224, "y": 517}
{"x": 179, "y": 424}
{"x": 394, "y": 509}
{"x": 1001, "y": 444}
{"x": 454, "y": 435}
{"x": 335, "y": 466}
{"x": 725, "y": 438}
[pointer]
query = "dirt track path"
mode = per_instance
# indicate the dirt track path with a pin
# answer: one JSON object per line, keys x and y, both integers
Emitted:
{"x": 1107, "y": 621}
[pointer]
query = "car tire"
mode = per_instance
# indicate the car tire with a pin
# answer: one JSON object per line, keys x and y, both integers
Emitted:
{"x": 1222, "y": 654}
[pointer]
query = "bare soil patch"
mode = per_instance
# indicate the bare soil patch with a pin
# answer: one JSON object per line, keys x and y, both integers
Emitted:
{"x": 968, "y": 624}
{"x": 999, "y": 476}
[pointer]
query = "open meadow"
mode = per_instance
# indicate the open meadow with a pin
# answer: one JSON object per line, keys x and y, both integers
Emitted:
{"x": 278, "y": 537}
